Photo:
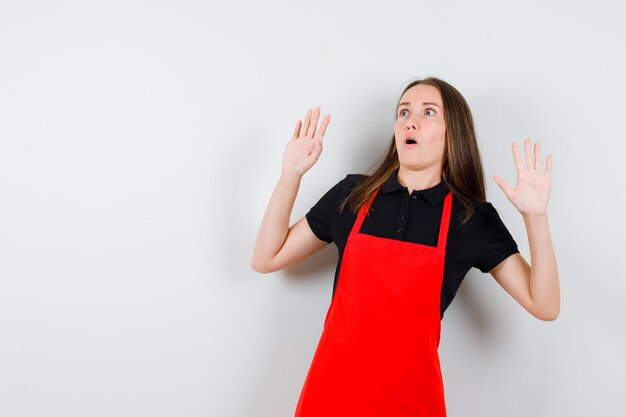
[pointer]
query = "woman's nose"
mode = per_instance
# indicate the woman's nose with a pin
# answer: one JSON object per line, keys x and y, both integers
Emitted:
{"x": 411, "y": 124}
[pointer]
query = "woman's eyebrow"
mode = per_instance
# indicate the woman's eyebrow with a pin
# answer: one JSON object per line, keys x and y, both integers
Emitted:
{"x": 425, "y": 103}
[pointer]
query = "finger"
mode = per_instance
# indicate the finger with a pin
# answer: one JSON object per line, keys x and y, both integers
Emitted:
{"x": 314, "y": 155}
{"x": 307, "y": 120}
{"x": 537, "y": 157}
{"x": 296, "y": 130}
{"x": 317, "y": 149}
{"x": 529, "y": 157}
{"x": 549, "y": 166}
{"x": 517, "y": 158}
{"x": 503, "y": 185}
{"x": 313, "y": 125}
{"x": 322, "y": 129}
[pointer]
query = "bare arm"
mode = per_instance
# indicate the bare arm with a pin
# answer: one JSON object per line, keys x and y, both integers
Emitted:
{"x": 535, "y": 287}
{"x": 278, "y": 245}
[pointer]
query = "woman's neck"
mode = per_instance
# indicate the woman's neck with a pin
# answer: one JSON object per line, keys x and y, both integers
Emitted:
{"x": 418, "y": 180}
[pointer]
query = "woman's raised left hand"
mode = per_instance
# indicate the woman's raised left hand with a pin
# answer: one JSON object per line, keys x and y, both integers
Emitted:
{"x": 532, "y": 192}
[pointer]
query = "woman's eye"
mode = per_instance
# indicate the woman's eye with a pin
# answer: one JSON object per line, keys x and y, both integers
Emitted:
{"x": 428, "y": 109}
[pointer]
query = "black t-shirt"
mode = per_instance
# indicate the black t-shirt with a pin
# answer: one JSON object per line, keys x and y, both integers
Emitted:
{"x": 483, "y": 242}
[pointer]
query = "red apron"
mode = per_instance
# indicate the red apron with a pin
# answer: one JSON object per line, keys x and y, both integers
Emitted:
{"x": 378, "y": 352}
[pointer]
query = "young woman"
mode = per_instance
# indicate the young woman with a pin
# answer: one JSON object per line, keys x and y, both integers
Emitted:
{"x": 406, "y": 235}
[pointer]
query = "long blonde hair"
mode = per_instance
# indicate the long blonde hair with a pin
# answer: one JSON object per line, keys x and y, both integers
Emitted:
{"x": 462, "y": 168}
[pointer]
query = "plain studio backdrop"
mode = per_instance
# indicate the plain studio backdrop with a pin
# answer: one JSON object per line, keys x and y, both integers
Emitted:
{"x": 140, "y": 142}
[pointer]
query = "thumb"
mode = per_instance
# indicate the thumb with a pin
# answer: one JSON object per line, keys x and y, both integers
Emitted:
{"x": 503, "y": 185}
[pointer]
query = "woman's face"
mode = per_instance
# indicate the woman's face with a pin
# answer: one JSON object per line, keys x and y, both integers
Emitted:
{"x": 420, "y": 116}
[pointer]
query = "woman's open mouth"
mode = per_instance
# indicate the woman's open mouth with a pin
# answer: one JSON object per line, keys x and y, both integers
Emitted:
{"x": 410, "y": 143}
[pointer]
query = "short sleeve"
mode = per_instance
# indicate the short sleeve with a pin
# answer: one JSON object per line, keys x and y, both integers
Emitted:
{"x": 494, "y": 242}
{"x": 321, "y": 215}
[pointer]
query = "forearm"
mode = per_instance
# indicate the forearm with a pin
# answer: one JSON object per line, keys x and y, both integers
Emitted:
{"x": 544, "y": 277}
{"x": 275, "y": 224}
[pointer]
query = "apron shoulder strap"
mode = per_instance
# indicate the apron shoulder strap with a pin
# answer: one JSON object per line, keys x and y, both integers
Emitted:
{"x": 445, "y": 221}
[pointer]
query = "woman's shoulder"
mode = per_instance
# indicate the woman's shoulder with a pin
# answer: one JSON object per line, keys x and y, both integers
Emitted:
{"x": 483, "y": 211}
{"x": 355, "y": 178}
{"x": 340, "y": 190}
{"x": 346, "y": 185}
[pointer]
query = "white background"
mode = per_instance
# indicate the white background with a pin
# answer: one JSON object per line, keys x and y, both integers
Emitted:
{"x": 140, "y": 142}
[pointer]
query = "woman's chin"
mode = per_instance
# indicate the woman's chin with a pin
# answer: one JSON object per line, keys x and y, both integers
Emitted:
{"x": 412, "y": 164}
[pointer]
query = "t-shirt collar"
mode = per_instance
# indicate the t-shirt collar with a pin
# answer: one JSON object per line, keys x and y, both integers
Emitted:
{"x": 433, "y": 194}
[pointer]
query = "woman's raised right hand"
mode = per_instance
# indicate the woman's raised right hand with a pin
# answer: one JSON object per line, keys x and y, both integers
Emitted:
{"x": 305, "y": 146}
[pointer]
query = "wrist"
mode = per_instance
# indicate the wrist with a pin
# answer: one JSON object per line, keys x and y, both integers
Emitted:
{"x": 290, "y": 177}
{"x": 535, "y": 218}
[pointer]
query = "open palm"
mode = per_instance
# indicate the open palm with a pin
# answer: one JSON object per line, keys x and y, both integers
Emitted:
{"x": 305, "y": 146}
{"x": 532, "y": 192}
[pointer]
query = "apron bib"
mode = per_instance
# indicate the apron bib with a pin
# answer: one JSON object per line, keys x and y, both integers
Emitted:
{"x": 378, "y": 353}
